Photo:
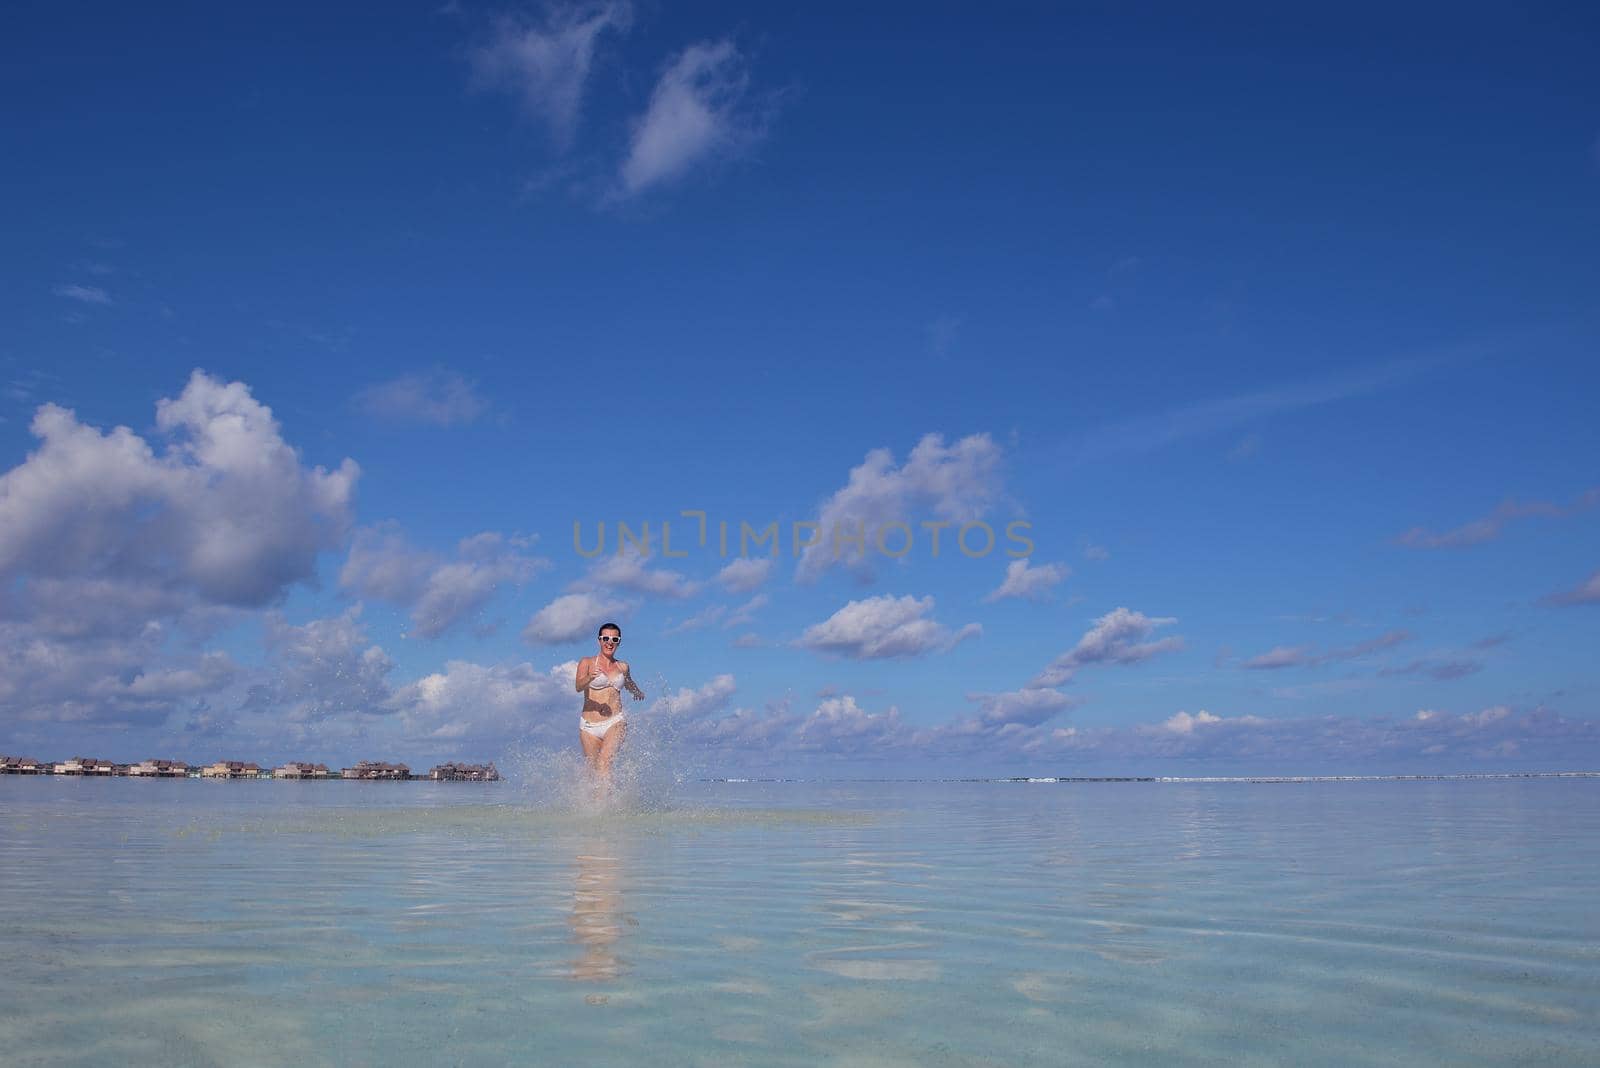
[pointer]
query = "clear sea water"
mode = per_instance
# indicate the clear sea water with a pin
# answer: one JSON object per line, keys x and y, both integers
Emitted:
{"x": 234, "y": 923}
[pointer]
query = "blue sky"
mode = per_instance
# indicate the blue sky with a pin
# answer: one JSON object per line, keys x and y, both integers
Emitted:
{"x": 1277, "y": 328}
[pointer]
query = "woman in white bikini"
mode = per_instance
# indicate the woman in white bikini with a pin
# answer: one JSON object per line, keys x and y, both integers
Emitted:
{"x": 601, "y": 679}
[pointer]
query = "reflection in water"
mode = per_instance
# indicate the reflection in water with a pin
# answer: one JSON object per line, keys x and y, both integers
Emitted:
{"x": 597, "y": 919}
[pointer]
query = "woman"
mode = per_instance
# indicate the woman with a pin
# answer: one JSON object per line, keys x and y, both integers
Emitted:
{"x": 601, "y": 679}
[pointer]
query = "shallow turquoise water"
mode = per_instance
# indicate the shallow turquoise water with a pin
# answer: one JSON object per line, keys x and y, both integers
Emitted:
{"x": 868, "y": 924}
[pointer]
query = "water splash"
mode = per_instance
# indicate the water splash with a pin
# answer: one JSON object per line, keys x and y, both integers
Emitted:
{"x": 657, "y": 759}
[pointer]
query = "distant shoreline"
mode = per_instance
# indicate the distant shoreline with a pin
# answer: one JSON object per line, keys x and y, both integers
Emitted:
{"x": 298, "y": 770}
{"x": 268, "y": 777}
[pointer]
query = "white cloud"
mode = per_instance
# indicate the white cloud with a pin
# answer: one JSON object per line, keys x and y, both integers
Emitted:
{"x": 488, "y": 706}
{"x": 326, "y": 669}
{"x": 627, "y": 571}
{"x": 1490, "y": 526}
{"x": 573, "y": 617}
{"x": 547, "y": 65}
{"x": 1031, "y": 583}
{"x": 1147, "y": 433}
{"x": 727, "y": 616}
{"x": 1002, "y": 718}
{"x": 101, "y": 680}
{"x": 1029, "y": 707}
{"x": 1208, "y": 743}
{"x": 745, "y": 614}
{"x": 1386, "y": 640}
{"x": 1118, "y": 637}
{"x": 438, "y": 397}
{"x": 1183, "y": 723}
{"x": 881, "y": 627}
{"x": 1289, "y": 745}
{"x": 690, "y": 721}
{"x": 1286, "y": 656}
{"x": 439, "y": 593}
{"x": 226, "y": 513}
{"x": 698, "y": 112}
{"x": 1441, "y": 668}
{"x": 703, "y": 618}
{"x": 745, "y": 574}
{"x": 1281, "y": 656}
{"x": 212, "y": 672}
{"x": 1486, "y": 717}
{"x": 760, "y": 736}
{"x": 695, "y": 703}
{"x": 840, "y": 726}
{"x": 1587, "y": 592}
{"x": 83, "y": 294}
{"x": 457, "y": 590}
{"x": 112, "y": 550}
{"x": 956, "y": 484}
{"x": 382, "y": 565}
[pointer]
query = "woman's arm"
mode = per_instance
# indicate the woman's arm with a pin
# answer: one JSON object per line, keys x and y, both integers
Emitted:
{"x": 581, "y": 680}
{"x": 632, "y": 687}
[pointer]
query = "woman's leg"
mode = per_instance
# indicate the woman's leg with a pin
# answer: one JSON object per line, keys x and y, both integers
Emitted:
{"x": 591, "y": 747}
{"x": 609, "y": 746}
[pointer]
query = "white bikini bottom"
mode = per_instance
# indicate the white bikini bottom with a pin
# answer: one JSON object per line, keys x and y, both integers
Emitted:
{"x": 598, "y": 728}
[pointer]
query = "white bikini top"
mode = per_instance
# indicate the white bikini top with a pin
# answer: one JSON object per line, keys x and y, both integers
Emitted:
{"x": 617, "y": 675}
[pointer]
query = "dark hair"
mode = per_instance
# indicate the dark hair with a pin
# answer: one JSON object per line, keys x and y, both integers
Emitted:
{"x": 606, "y": 627}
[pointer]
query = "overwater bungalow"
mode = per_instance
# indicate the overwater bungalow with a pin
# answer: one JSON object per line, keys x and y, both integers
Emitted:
{"x": 376, "y": 769}
{"x": 231, "y": 769}
{"x": 10, "y": 765}
{"x": 454, "y": 772}
{"x": 159, "y": 769}
{"x": 301, "y": 770}
{"x": 84, "y": 766}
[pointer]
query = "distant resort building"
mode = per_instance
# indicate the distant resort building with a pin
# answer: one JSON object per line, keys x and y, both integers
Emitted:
{"x": 297, "y": 770}
{"x": 231, "y": 769}
{"x": 376, "y": 769}
{"x": 85, "y": 766}
{"x": 159, "y": 769}
{"x": 453, "y": 772}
